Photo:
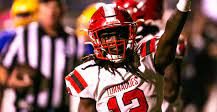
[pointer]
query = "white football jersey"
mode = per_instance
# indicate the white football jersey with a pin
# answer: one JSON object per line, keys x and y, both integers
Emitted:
{"x": 121, "y": 91}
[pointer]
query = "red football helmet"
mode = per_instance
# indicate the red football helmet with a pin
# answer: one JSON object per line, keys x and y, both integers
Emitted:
{"x": 109, "y": 21}
{"x": 142, "y": 9}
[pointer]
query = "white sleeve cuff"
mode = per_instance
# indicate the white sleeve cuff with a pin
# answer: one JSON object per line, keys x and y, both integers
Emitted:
{"x": 184, "y": 5}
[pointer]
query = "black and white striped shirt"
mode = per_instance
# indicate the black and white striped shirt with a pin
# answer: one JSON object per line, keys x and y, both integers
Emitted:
{"x": 54, "y": 57}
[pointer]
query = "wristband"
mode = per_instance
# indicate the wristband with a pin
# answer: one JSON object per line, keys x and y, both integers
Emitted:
{"x": 184, "y": 5}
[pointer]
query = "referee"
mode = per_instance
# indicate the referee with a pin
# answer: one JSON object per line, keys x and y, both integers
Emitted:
{"x": 50, "y": 52}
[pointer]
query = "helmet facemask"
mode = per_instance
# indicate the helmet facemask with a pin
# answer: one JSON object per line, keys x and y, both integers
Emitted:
{"x": 111, "y": 42}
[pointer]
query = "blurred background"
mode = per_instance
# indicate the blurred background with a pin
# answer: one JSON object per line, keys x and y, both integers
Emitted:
{"x": 73, "y": 8}
{"x": 199, "y": 67}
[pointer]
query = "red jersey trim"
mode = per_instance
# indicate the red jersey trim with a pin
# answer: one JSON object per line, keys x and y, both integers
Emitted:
{"x": 76, "y": 81}
{"x": 148, "y": 47}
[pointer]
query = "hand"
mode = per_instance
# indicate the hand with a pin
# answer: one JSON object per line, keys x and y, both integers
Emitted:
{"x": 21, "y": 77}
{"x": 17, "y": 81}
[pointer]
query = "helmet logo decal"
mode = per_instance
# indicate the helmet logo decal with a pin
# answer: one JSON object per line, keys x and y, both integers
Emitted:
{"x": 110, "y": 14}
{"x": 109, "y": 10}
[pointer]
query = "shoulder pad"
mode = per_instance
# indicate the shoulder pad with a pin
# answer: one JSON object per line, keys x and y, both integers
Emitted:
{"x": 76, "y": 81}
{"x": 82, "y": 81}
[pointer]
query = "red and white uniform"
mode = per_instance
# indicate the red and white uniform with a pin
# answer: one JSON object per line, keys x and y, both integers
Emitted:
{"x": 153, "y": 40}
{"x": 119, "y": 92}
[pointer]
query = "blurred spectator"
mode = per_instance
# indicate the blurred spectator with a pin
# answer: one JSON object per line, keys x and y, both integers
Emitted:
{"x": 49, "y": 52}
{"x": 200, "y": 74}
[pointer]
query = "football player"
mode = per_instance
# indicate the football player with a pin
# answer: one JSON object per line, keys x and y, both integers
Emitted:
{"x": 115, "y": 78}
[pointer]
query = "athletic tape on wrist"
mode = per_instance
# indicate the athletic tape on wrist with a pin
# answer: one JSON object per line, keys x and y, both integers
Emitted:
{"x": 184, "y": 5}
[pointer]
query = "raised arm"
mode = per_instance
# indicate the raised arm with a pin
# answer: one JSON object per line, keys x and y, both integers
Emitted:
{"x": 166, "y": 50}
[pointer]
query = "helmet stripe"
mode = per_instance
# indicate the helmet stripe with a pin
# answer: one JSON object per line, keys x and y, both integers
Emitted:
{"x": 109, "y": 12}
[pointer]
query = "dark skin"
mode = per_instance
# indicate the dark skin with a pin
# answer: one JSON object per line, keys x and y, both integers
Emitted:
{"x": 172, "y": 80}
{"x": 165, "y": 53}
{"x": 166, "y": 50}
{"x": 170, "y": 69}
{"x": 87, "y": 105}
{"x": 112, "y": 35}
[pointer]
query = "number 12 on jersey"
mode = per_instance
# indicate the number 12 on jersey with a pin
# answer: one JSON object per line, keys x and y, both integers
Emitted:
{"x": 127, "y": 100}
